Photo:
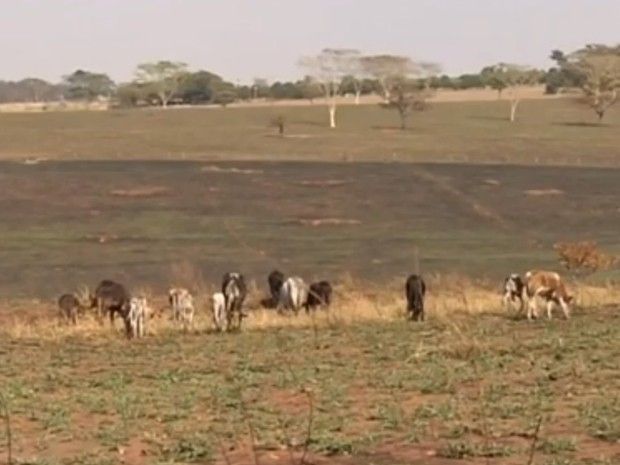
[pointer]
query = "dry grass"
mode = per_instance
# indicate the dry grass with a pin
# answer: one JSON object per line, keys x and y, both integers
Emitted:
{"x": 450, "y": 299}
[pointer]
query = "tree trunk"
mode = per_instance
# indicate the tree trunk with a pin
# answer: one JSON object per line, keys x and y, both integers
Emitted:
{"x": 332, "y": 115}
{"x": 403, "y": 120}
{"x": 513, "y": 110}
{"x": 357, "y": 96}
{"x": 600, "y": 114}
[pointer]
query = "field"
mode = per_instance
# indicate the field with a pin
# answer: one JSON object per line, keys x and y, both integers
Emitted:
{"x": 547, "y": 132}
{"x": 154, "y": 198}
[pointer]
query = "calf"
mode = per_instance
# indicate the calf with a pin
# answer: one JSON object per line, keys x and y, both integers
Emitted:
{"x": 110, "y": 297}
{"x": 513, "y": 291}
{"x": 235, "y": 292}
{"x": 549, "y": 286}
{"x": 69, "y": 307}
{"x": 218, "y": 306}
{"x": 135, "y": 317}
{"x": 182, "y": 305}
{"x": 415, "y": 290}
{"x": 275, "y": 281}
{"x": 319, "y": 294}
{"x": 293, "y": 294}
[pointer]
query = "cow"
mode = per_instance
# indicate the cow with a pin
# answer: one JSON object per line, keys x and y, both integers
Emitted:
{"x": 275, "y": 281}
{"x": 415, "y": 290}
{"x": 549, "y": 286}
{"x": 182, "y": 305}
{"x": 110, "y": 297}
{"x": 319, "y": 294}
{"x": 513, "y": 291}
{"x": 218, "y": 306}
{"x": 293, "y": 294}
{"x": 235, "y": 292}
{"x": 135, "y": 317}
{"x": 70, "y": 307}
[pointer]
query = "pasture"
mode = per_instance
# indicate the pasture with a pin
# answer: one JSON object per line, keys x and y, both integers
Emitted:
{"x": 150, "y": 224}
{"x": 156, "y": 198}
{"x": 556, "y": 131}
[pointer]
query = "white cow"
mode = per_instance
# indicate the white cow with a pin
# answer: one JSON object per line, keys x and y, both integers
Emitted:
{"x": 218, "y": 305}
{"x": 135, "y": 318}
{"x": 182, "y": 304}
{"x": 293, "y": 294}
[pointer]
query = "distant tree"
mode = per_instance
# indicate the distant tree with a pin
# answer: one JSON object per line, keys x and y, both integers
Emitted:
{"x": 244, "y": 92}
{"x": 38, "y": 89}
{"x": 164, "y": 77}
{"x": 470, "y": 81}
{"x": 84, "y": 85}
{"x": 260, "y": 88}
{"x": 132, "y": 94}
{"x": 327, "y": 69}
{"x": 599, "y": 69}
{"x": 386, "y": 69}
{"x": 224, "y": 98}
{"x": 285, "y": 90}
{"x": 198, "y": 87}
{"x": 513, "y": 77}
{"x": 309, "y": 88}
{"x": 407, "y": 96}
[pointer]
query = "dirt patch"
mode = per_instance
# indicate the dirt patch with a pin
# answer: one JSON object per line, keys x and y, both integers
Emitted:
{"x": 543, "y": 192}
{"x": 144, "y": 191}
{"x": 218, "y": 169}
{"x": 324, "y": 183}
{"x": 329, "y": 222}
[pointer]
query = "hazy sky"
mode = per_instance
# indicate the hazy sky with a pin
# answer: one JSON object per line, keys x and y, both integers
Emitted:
{"x": 242, "y": 39}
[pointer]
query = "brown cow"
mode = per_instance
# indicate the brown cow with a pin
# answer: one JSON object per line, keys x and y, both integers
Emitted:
{"x": 549, "y": 286}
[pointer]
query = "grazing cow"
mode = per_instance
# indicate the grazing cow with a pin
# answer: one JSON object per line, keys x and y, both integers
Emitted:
{"x": 69, "y": 306}
{"x": 513, "y": 291}
{"x": 415, "y": 290}
{"x": 110, "y": 297}
{"x": 182, "y": 305}
{"x": 275, "y": 280}
{"x": 319, "y": 294}
{"x": 235, "y": 292}
{"x": 549, "y": 286}
{"x": 218, "y": 305}
{"x": 135, "y": 317}
{"x": 293, "y": 294}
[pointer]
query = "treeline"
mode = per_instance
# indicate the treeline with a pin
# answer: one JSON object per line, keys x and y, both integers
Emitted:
{"x": 168, "y": 83}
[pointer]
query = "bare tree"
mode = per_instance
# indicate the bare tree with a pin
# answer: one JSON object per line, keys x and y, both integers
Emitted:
{"x": 511, "y": 79}
{"x": 407, "y": 96}
{"x": 327, "y": 69}
{"x": 163, "y": 77}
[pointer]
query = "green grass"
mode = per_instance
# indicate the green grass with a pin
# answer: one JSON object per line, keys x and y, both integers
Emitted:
{"x": 551, "y": 131}
{"x": 192, "y": 398}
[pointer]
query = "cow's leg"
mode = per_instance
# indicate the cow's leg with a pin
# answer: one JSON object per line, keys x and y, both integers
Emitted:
{"x": 549, "y": 308}
{"x": 565, "y": 308}
{"x": 531, "y": 302}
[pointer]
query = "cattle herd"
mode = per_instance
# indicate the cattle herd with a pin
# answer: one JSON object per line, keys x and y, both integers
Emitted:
{"x": 288, "y": 295}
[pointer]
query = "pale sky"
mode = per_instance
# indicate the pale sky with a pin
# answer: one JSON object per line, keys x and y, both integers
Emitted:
{"x": 243, "y": 39}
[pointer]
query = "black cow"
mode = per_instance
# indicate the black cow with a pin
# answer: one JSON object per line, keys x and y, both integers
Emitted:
{"x": 111, "y": 297}
{"x": 275, "y": 280}
{"x": 235, "y": 292}
{"x": 415, "y": 290}
{"x": 70, "y": 307}
{"x": 319, "y": 294}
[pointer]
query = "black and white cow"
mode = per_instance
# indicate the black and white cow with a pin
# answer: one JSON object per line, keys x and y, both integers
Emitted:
{"x": 235, "y": 292}
{"x": 415, "y": 290}
{"x": 319, "y": 295}
{"x": 513, "y": 291}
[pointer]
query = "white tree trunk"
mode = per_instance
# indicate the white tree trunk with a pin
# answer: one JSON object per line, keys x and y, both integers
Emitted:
{"x": 513, "y": 109}
{"x": 332, "y": 114}
{"x": 357, "y": 96}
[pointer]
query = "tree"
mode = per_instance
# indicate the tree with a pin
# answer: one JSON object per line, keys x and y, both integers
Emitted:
{"x": 260, "y": 88}
{"x": 406, "y": 96}
{"x": 327, "y": 69}
{"x": 199, "y": 87}
{"x": 387, "y": 69}
{"x": 309, "y": 88}
{"x": 224, "y": 97}
{"x": 599, "y": 69}
{"x": 84, "y": 85}
{"x": 164, "y": 77}
{"x": 513, "y": 77}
